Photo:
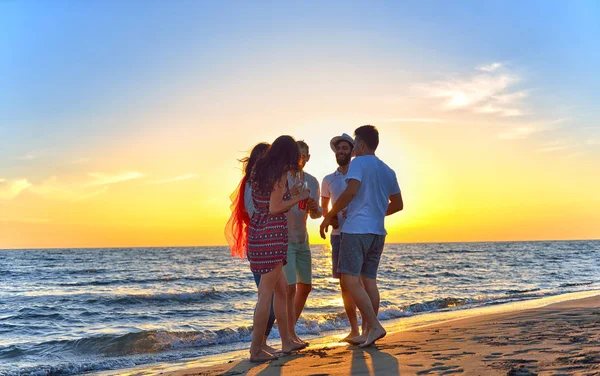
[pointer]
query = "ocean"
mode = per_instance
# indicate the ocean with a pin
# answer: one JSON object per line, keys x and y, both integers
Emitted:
{"x": 72, "y": 311}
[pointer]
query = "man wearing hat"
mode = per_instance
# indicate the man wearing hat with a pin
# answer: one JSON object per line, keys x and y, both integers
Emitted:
{"x": 371, "y": 194}
{"x": 331, "y": 188}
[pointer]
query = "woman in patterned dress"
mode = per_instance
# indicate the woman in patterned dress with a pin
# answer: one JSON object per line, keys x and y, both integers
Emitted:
{"x": 236, "y": 230}
{"x": 268, "y": 240}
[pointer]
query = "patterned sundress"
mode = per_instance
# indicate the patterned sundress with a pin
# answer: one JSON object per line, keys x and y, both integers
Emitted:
{"x": 267, "y": 234}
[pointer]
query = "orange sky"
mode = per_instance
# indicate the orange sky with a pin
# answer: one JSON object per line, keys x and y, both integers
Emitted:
{"x": 454, "y": 190}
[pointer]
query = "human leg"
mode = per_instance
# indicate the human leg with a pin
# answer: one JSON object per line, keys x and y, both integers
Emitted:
{"x": 261, "y": 314}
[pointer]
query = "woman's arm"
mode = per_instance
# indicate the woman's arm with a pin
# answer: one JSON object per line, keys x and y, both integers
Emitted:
{"x": 277, "y": 204}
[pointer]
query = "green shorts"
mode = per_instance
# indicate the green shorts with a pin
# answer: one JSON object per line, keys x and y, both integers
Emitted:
{"x": 299, "y": 263}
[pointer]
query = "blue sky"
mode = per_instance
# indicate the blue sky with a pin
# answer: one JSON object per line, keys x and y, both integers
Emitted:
{"x": 64, "y": 61}
{"x": 74, "y": 74}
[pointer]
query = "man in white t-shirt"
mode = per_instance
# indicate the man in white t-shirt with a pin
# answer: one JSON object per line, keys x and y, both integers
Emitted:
{"x": 332, "y": 187}
{"x": 372, "y": 194}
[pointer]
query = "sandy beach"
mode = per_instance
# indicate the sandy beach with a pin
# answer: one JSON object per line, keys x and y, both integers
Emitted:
{"x": 558, "y": 339}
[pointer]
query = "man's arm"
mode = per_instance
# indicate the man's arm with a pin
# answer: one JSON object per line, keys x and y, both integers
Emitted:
{"x": 325, "y": 204}
{"x": 345, "y": 198}
{"x": 316, "y": 211}
{"x": 325, "y": 208}
{"x": 396, "y": 204}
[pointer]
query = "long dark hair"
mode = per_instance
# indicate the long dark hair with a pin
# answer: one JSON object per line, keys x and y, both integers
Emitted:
{"x": 236, "y": 229}
{"x": 282, "y": 156}
{"x": 248, "y": 162}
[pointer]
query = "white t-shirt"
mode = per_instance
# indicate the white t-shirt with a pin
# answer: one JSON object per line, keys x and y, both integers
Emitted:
{"x": 332, "y": 188}
{"x": 366, "y": 212}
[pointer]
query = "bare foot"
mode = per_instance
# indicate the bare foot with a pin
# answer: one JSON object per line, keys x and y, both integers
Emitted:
{"x": 351, "y": 336}
{"x": 298, "y": 340}
{"x": 304, "y": 344}
{"x": 291, "y": 347}
{"x": 270, "y": 349}
{"x": 358, "y": 339}
{"x": 374, "y": 335}
{"x": 261, "y": 356}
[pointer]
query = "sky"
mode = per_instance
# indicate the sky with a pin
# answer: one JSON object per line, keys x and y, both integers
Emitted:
{"x": 122, "y": 121}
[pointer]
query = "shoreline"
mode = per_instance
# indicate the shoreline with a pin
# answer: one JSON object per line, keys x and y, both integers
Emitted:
{"x": 323, "y": 350}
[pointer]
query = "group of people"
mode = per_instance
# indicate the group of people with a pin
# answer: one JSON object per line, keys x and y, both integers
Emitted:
{"x": 268, "y": 227}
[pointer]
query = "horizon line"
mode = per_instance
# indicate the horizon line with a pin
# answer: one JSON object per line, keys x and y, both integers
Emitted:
{"x": 223, "y": 245}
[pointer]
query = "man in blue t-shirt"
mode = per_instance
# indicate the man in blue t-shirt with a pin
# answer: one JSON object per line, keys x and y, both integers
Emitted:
{"x": 372, "y": 194}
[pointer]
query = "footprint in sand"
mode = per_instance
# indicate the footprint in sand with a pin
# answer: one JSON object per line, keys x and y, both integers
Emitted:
{"x": 442, "y": 370}
{"x": 494, "y": 355}
{"x": 406, "y": 353}
{"x": 521, "y": 371}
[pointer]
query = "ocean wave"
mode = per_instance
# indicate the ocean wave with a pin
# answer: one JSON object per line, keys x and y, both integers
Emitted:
{"x": 144, "y": 342}
{"x": 35, "y": 316}
{"x": 156, "y": 341}
{"x": 576, "y": 284}
{"x": 525, "y": 291}
{"x": 127, "y": 281}
{"x": 461, "y": 251}
{"x": 441, "y": 274}
{"x": 107, "y": 282}
{"x": 317, "y": 324}
{"x": 188, "y": 297}
{"x": 79, "y": 367}
{"x": 182, "y": 297}
{"x": 87, "y": 271}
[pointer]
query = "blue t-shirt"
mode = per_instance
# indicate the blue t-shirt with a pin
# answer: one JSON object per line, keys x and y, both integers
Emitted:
{"x": 366, "y": 212}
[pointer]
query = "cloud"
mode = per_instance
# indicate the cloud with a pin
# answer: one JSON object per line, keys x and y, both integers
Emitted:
{"x": 522, "y": 131}
{"x": 28, "y": 157}
{"x": 415, "y": 120}
{"x": 490, "y": 91}
{"x": 10, "y": 189}
{"x": 80, "y": 161}
{"x": 576, "y": 154}
{"x": 490, "y": 67}
{"x": 592, "y": 141}
{"x": 87, "y": 196}
{"x": 177, "y": 178}
{"x": 54, "y": 189}
{"x": 554, "y": 146}
{"x": 519, "y": 132}
{"x": 105, "y": 179}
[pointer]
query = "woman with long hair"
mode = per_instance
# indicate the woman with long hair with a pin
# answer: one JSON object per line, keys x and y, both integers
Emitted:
{"x": 268, "y": 240}
{"x": 236, "y": 230}
{"x": 242, "y": 208}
